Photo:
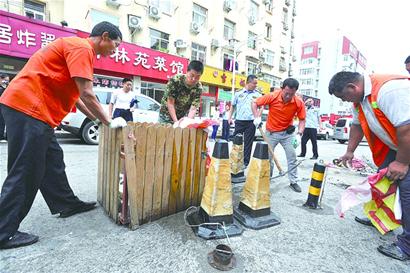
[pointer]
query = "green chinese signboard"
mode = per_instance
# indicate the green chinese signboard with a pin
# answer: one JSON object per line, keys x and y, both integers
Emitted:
{"x": 224, "y": 95}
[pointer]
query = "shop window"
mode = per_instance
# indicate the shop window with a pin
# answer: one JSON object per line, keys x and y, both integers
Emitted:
{"x": 229, "y": 30}
{"x": 198, "y": 52}
{"x": 159, "y": 40}
{"x": 98, "y": 17}
{"x": 153, "y": 90}
{"x": 199, "y": 15}
{"x": 35, "y": 10}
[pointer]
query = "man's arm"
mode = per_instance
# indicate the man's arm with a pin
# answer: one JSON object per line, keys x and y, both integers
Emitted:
{"x": 89, "y": 99}
{"x": 81, "y": 106}
{"x": 192, "y": 111}
{"x": 231, "y": 113}
{"x": 398, "y": 169}
{"x": 110, "y": 107}
{"x": 171, "y": 109}
{"x": 355, "y": 136}
{"x": 256, "y": 110}
{"x": 301, "y": 126}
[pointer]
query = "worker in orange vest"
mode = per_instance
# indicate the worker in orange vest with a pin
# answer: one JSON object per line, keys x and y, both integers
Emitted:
{"x": 381, "y": 114}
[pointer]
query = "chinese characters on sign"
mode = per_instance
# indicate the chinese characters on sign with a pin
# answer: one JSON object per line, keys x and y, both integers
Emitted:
{"x": 107, "y": 82}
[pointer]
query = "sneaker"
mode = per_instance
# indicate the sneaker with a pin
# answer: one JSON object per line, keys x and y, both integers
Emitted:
{"x": 19, "y": 239}
{"x": 301, "y": 155}
{"x": 313, "y": 157}
{"x": 364, "y": 221}
{"x": 295, "y": 187}
{"x": 82, "y": 207}
{"x": 393, "y": 251}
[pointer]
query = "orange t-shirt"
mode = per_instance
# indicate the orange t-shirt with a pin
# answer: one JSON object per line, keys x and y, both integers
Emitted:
{"x": 281, "y": 114}
{"x": 45, "y": 89}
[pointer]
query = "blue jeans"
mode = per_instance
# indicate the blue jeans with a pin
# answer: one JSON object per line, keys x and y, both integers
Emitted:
{"x": 214, "y": 131}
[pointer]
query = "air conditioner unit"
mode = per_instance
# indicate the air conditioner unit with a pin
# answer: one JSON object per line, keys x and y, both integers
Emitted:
{"x": 134, "y": 22}
{"x": 195, "y": 27}
{"x": 252, "y": 19}
{"x": 228, "y": 5}
{"x": 113, "y": 3}
{"x": 179, "y": 43}
{"x": 154, "y": 12}
{"x": 214, "y": 43}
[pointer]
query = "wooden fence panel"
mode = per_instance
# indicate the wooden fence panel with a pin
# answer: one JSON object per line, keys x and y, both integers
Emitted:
{"x": 149, "y": 173}
{"x": 175, "y": 174}
{"x": 141, "y": 137}
{"x": 159, "y": 172}
{"x": 166, "y": 181}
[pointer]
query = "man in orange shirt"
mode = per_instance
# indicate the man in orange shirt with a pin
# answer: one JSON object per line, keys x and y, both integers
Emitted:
{"x": 54, "y": 79}
{"x": 283, "y": 107}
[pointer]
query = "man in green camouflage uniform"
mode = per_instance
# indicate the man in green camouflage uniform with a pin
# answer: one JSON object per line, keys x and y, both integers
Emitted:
{"x": 182, "y": 95}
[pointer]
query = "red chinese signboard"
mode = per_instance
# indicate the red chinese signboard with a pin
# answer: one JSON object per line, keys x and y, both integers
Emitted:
{"x": 140, "y": 61}
{"x": 21, "y": 36}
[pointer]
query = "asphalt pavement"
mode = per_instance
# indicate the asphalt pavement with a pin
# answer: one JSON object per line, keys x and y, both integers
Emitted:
{"x": 306, "y": 240}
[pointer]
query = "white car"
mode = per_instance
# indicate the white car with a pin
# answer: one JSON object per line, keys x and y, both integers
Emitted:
{"x": 325, "y": 131}
{"x": 78, "y": 124}
{"x": 342, "y": 129}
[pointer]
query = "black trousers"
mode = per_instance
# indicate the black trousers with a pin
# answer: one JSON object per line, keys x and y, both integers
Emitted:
{"x": 124, "y": 113}
{"x": 35, "y": 162}
{"x": 247, "y": 128}
{"x": 225, "y": 129}
{"x": 2, "y": 127}
{"x": 309, "y": 133}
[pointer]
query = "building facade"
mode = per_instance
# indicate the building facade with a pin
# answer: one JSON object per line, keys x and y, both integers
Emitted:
{"x": 252, "y": 37}
{"x": 319, "y": 61}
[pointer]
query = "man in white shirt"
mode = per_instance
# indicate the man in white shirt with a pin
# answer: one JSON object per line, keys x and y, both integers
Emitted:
{"x": 122, "y": 100}
{"x": 310, "y": 132}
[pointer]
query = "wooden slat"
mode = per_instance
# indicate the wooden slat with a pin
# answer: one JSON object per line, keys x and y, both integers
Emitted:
{"x": 131, "y": 173}
{"x": 203, "y": 165}
{"x": 197, "y": 167}
{"x": 112, "y": 172}
{"x": 189, "y": 168}
{"x": 141, "y": 137}
{"x": 166, "y": 181}
{"x": 108, "y": 171}
{"x": 158, "y": 172}
{"x": 100, "y": 164}
{"x": 116, "y": 181}
{"x": 183, "y": 169}
{"x": 149, "y": 173}
{"x": 175, "y": 172}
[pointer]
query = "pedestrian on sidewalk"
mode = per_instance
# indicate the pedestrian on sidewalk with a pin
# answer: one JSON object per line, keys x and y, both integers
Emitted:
{"x": 4, "y": 82}
{"x": 225, "y": 122}
{"x": 310, "y": 132}
{"x": 54, "y": 79}
{"x": 182, "y": 95}
{"x": 283, "y": 107}
{"x": 122, "y": 101}
{"x": 381, "y": 114}
{"x": 407, "y": 63}
{"x": 245, "y": 119}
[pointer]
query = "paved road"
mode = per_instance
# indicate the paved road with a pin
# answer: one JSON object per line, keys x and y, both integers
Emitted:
{"x": 306, "y": 241}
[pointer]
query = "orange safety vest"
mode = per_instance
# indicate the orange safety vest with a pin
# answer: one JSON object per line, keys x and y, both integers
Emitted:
{"x": 379, "y": 148}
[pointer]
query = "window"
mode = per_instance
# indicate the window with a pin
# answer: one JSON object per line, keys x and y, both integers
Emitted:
{"x": 35, "y": 10}
{"x": 198, "y": 53}
{"x": 252, "y": 40}
{"x": 269, "y": 5}
{"x": 199, "y": 15}
{"x": 229, "y": 29}
{"x": 253, "y": 11}
{"x": 159, "y": 40}
{"x": 98, "y": 17}
{"x": 269, "y": 57}
{"x": 252, "y": 68}
{"x": 268, "y": 31}
{"x": 228, "y": 62}
{"x": 164, "y": 5}
{"x": 308, "y": 50}
{"x": 152, "y": 90}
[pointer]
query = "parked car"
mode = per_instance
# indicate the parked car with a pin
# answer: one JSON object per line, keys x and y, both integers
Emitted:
{"x": 326, "y": 131}
{"x": 81, "y": 126}
{"x": 342, "y": 129}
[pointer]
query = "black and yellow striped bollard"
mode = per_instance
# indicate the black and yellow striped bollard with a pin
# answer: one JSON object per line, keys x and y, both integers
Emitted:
{"x": 315, "y": 185}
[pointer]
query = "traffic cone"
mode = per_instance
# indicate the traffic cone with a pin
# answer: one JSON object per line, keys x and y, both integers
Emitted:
{"x": 315, "y": 186}
{"x": 236, "y": 159}
{"x": 254, "y": 208}
{"x": 216, "y": 205}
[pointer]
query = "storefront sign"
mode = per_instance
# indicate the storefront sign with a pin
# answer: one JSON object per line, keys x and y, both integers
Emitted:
{"x": 140, "y": 61}
{"x": 107, "y": 82}
{"x": 224, "y": 95}
{"x": 21, "y": 36}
